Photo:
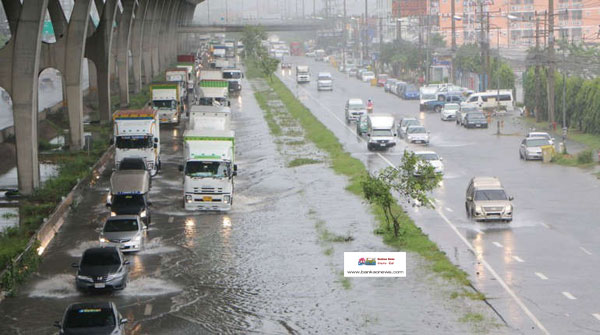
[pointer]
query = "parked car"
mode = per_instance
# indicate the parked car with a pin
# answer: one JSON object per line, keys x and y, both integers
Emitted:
{"x": 399, "y": 88}
{"x": 362, "y": 125}
{"x": 449, "y": 111}
{"x": 352, "y": 72}
{"x": 431, "y": 158}
{"x": 354, "y": 109}
{"x": 359, "y": 73}
{"x": 531, "y": 147}
{"x": 404, "y": 123}
{"x": 310, "y": 54}
{"x": 324, "y": 81}
{"x": 91, "y": 318}
{"x": 486, "y": 199}
{"x": 366, "y": 76}
{"x": 388, "y": 83}
{"x": 126, "y": 232}
{"x": 381, "y": 79}
{"x": 411, "y": 92}
{"x": 475, "y": 120}
{"x": 541, "y": 134}
{"x": 438, "y": 104}
{"x": 417, "y": 134}
{"x": 102, "y": 268}
{"x": 460, "y": 115}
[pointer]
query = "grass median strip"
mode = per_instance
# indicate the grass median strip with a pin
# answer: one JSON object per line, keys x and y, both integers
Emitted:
{"x": 413, "y": 239}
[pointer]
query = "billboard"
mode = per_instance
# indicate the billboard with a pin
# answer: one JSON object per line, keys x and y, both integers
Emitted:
{"x": 404, "y": 8}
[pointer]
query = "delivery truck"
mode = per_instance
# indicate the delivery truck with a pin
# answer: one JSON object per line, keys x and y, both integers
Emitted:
{"x": 166, "y": 101}
{"x": 136, "y": 134}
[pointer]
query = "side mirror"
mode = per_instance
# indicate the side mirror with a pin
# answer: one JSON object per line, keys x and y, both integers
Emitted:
{"x": 156, "y": 140}
{"x": 155, "y": 146}
{"x": 180, "y": 167}
{"x": 369, "y": 134}
{"x": 57, "y": 324}
{"x": 124, "y": 321}
{"x": 234, "y": 173}
{"x": 235, "y": 167}
{"x": 511, "y": 198}
{"x": 228, "y": 103}
{"x": 108, "y": 204}
{"x": 75, "y": 265}
{"x": 126, "y": 262}
{"x": 469, "y": 198}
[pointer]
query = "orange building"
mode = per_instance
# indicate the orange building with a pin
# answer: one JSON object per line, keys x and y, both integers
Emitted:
{"x": 512, "y": 23}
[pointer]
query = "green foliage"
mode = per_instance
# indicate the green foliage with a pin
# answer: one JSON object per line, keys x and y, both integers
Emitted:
{"x": 303, "y": 161}
{"x": 468, "y": 58}
{"x": 585, "y": 157}
{"x": 405, "y": 58}
{"x": 252, "y": 36}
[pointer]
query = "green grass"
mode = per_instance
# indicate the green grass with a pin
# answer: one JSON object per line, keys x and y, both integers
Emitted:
{"x": 592, "y": 141}
{"x": 343, "y": 163}
{"x": 274, "y": 128}
{"x": 303, "y": 161}
{"x": 471, "y": 318}
{"x": 9, "y": 215}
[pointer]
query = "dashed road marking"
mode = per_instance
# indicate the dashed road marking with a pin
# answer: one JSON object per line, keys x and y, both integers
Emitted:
{"x": 498, "y": 244}
{"x": 502, "y": 283}
{"x": 518, "y": 259}
{"x": 148, "y": 310}
{"x": 596, "y": 315}
{"x": 541, "y": 275}
{"x": 545, "y": 225}
{"x": 449, "y": 209}
{"x": 568, "y": 295}
{"x": 585, "y": 250}
{"x": 171, "y": 219}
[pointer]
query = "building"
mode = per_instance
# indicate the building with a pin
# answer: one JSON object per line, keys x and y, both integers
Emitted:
{"x": 512, "y": 23}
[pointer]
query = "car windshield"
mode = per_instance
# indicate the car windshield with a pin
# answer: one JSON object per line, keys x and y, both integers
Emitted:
{"x": 112, "y": 226}
{"x": 132, "y": 164}
{"x": 127, "y": 200}
{"x": 102, "y": 258}
{"x": 356, "y": 105}
{"x": 383, "y": 76}
{"x": 451, "y": 107}
{"x": 468, "y": 109}
{"x": 537, "y": 142}
{"x": 542, "y": 135}
{"x": 134, "y": 142}
{"x": 428, "y": 97}
{"x": 416, "y": 130}
{"x": 368, "y": 74}
{"x": 428, "y": 156}
{"x": 381, "y": 132}
{"x": 200, "y": 169}
{"x": 411, "y": 88}
{"x": 89, "y": 318}
{"x": 476, "y": 116}
{"x": 490, "y": 195}
{"x": 232, "y": 75}
{"x": 164, "y": 104}
{"x": 324, "y": 77}
{"x": 406, "y": 123}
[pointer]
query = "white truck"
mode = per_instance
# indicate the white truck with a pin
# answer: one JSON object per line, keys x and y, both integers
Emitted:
{"x": 302, "y": 74}
{"x": 209, "y": 167}
{"x": 180, "y": 76}
{"x": 136, "y": 134}
{"x": 380, "y": 131}
{"x": 191, "y": 80}
{"x": 166, "y": 100}
{"x": 234, "y": 77}
{"x": 212, "y": 89}
{"x": 212, "y": 117}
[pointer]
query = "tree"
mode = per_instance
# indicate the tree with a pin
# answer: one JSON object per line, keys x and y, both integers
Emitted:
{"x": 267, "y": 65}
{"x": 413, "y": 180}
{"x": 252, "y": 37}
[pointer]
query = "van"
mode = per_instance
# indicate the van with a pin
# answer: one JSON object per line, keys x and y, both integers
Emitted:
{"x": 129, "y": 194}
{"x": 492, "y": 99}
{"x": 486, "y": 200}
{"x": 380, "y": 130}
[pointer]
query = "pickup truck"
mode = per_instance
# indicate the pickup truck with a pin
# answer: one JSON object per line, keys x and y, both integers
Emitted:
{"x": 438, "y": 105}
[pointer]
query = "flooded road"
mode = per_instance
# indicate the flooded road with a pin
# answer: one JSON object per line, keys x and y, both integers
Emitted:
{"x": 261, "y": 268}
{"x": 540, "y": 269}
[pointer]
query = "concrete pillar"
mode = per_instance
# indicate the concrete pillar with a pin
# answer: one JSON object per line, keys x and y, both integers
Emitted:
{"x": 163, "y": 51}
{"x": 13, "y": 11}
{"x": 123, "y": 50}
{"x": 72, "y": 78}
{"x": 98, "y": 49}
{"x": 137, "y": 36}
{"x": 147, "y": 43}
{"x": 25, "y": 67}
{"x": 173, "y": 25}
{"x": 156, "y": 40}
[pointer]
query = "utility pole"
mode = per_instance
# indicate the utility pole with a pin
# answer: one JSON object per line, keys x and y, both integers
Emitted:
{"x": 380, "y": 44}
{"x": 551, "y": 64}
{"x": 453, "y": 13}
{"x": 366, "y": 46}
{"x": 536, "y": 110}
{"x": 344, "y": 40}
{"x": 488, "y": 64}
{"x": 226, "y": 11}
{"x": 208, "y": 12}
{"x": 483, "y": 48}
{"x": 314, "y": 8}
{"x": 564, "y": 107}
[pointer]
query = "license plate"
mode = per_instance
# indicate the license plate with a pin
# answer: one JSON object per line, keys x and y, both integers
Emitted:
{"x": 478, "y": 125}
{"x": 99, "y": 285}
{"x": 164, "y": 120}
{"x": 206, "y": 199}
{"x": 382, "y": 144}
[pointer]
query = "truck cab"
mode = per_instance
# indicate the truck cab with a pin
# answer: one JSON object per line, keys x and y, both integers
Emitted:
{"x": 136, "y": 134}
{"x": 234, "y": 77}
{"x": 381, "y": 132}
{"x": 166, "y": 101}
{"x": 302, "y": 74}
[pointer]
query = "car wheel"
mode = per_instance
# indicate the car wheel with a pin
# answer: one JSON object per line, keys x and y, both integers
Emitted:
{"x": 467, "y": 210}
{"x": 437, "y": 109}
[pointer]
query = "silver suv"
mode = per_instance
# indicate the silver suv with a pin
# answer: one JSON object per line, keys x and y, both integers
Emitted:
{"x": 487, "y": 200}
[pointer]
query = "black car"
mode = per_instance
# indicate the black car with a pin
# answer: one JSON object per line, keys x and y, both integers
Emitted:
{"x": 91, "y": 319}
{"x": 102, "y": 268}
{"x": 475, "y": 120}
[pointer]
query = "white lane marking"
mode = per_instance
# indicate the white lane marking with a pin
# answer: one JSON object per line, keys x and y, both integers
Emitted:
{"x": 453, "y": 227}
{"x": 541, "y": 275}
{"x": 545, "y": 225}
{"x": 569, "y": 295}
{"x": 449, "y": 209}
{"x": 498, "y": 244}
{"x": 171, "y": 219}
{"x": 518, "y": 259}
{"x": 596, "y": 315}
{"x": 585, "y": 250}
{"x": 148, "y": 309}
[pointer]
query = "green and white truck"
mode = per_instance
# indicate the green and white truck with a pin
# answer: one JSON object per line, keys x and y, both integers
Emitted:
{"x": 166, "y": 101}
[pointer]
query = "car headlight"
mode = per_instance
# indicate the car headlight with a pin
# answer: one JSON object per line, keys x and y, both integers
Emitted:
{"x": 508, "y": 209}
{"x": 137, "y": 238}
{"x": 188, "y": 198}
{"x": 113, "y": 276}
{"x": 85, "y": 278}
{"x": 143, "y": 214}
{"x": 103, "y": 240}
{"x": 113, "y": 214}
{"x": 226, "y": 199}
{"x": 478, "y": 210}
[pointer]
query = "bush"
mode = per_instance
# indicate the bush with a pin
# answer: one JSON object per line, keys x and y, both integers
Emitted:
{"x": 585, "y": 157}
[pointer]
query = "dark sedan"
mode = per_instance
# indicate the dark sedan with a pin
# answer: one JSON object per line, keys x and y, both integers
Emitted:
{"x": 100, "y": 318}
{"x": 102, "y": 268}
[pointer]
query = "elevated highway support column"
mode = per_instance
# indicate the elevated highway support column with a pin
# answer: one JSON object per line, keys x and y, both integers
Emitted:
{"x": 137, "y": 36}
{"x": 124, "y": 37}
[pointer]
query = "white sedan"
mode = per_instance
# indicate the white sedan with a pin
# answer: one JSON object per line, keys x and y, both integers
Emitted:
{"x": 449, "y": 112}
{"x": 432, "y": 158}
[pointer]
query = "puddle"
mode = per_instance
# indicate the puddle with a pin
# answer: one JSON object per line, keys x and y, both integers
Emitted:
{"x": 147, "y": 287}
{"x": 83, "y": 246}
{"x": 10, "y": 180}
{"x": 58, "y": 287}
{"x": 155, "y": 246}
{"x": 9, "y": 217}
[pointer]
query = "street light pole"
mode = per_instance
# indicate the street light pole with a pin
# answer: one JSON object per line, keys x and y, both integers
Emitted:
{"x": 366, "y": 45}
{"x": 551, "y": 63}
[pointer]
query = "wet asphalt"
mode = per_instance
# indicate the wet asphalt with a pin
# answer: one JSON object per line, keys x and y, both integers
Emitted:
{"x": 261, "y": 268}
{"x": 540, "y": 271}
